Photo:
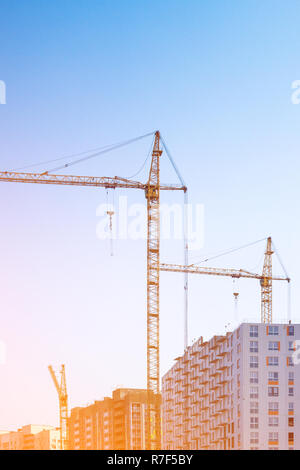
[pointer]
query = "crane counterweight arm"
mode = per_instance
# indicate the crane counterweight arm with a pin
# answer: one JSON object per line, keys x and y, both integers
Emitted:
{"x": 72, "y": 180}
{"x": 52, "y": 373}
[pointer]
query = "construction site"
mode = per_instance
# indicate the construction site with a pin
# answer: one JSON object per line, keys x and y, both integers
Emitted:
{"x": 149, "y": 234}
{"x": 185, "y": 415}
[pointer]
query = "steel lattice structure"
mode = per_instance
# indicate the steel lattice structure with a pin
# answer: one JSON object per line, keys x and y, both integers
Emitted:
{"x": 152, "y": 192}
{"x": 61, "y": 389}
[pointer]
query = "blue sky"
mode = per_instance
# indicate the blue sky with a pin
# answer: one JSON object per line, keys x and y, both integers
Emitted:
{"x": 215, "y": 77}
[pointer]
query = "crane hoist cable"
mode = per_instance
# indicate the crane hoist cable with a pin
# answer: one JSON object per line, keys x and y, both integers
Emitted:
{"x": 72, "y": 155}
{"x": 145, "y": 161}
{"x": 97, "y": 151}
{"x": 110, "y": 212}
{"x": 101, "y": 152}
{"x": 228, "y": 252}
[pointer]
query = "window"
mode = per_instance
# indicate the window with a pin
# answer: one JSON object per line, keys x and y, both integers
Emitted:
{"x": 272, "y": 330}
{"x": 253, "y": 361}
{"x": 289, "y": 361}
{"x": 273, "y": 391}
{"x": 238, "y": 364}
{"x": 272, "y": 361}
{"x": 273, "y": 421}
{"x": 273, "y": 376}
{"x": 291, "y": 391}
{"x": 253, "y": 407}
{"x": 291, "y": 376}
{"x": 254, "y": 438}
{"x": 291, "y": 406}
{"x": 274, "y": 346}
{"x": 254, "y": 346}
{"x": 253, "y": 331}
{"x": 254, "y": 377}
{"x": 290, "y": 330}
{"x": 273, "y": 436}
{"x": 291, "y": 437}
{"x": 292, "y": 346}
{"x": 254, "y": 422}
{"x": 273, "y": 406}
{"x": 253, "y": 392}
{"x": 291, "y": 422}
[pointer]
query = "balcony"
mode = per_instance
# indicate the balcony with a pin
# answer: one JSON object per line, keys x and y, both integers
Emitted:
{"x": 214, "y": 386}
{"x": 223, "y": 367}
{"x": 213, "y": 361}
{"x": 221, "y": 354}
{"x": 204, "y": 356}
{"x": 214, "y": 374}
{"x": 168, "y": 399}
{"x": 273, "y": 443}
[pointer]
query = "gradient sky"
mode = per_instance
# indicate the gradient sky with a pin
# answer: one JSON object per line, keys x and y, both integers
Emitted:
{"x": 215, "y": 77}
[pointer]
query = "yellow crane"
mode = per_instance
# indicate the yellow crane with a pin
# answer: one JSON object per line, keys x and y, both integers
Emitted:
{"x": 61, "y": 388}
{"x": 265, "y": 278}
{"x": 152, "y": 190}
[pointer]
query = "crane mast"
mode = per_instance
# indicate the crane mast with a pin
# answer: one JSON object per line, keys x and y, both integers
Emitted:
{"x": 266, "y": 285}
{"x": 61, "y": 389}
{"x": 153, "y": 420}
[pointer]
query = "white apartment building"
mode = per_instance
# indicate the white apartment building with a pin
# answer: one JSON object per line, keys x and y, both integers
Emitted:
{"x": 239, "y": 391}
{"x": 31, "y": 437}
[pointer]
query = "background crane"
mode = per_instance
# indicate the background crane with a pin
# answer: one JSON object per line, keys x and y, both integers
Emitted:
{"x": 265, "y": 278}
{"x": 152, "y": 192}
{"x": 61, "y": 389}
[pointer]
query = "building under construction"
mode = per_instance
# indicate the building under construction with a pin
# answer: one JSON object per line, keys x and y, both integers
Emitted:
{"x": 239, "y": 391}
{"x": 112, "y": 423}
{"x": 131, "y": 419}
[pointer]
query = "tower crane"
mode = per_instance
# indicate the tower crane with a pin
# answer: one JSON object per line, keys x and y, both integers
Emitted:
{"x": 61, "y": 389}
{"x": 265, "y": 278}
{"x": 152, "y": 190}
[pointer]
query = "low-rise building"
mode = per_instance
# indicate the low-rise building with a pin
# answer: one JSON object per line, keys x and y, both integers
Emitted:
{"x": 30, "y": 437}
